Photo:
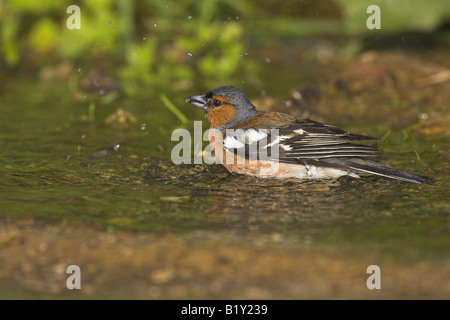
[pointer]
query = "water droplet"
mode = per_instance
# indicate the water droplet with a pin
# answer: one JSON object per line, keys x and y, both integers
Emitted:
{"x": 79, "y": 70}
{"x": 296, "y": 95}
{"x": 423, "y": 116}
{"x": 189, "y": 17}
{"x": 189, "y": 54}
{"x": 267, "y": 60}
{"x": 116, "y": 146}
{"x": 144, "y": 38}
{"x": 83, "y": 136}
{"x": 143, "y": 126}
{"x": 155, "y": 25}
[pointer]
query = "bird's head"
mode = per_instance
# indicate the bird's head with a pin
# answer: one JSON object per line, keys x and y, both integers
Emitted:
{"x": 225, "y": 107}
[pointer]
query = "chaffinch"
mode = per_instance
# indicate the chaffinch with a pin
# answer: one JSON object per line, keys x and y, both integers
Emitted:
{"x": 305, "y": 149}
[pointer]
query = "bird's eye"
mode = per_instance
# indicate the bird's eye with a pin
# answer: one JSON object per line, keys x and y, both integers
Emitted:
{"x": 217, "y": 102}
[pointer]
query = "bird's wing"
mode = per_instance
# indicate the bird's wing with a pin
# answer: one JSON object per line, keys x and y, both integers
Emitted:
{"x": 309, "y": 140}
{"x": 298, "y": 142}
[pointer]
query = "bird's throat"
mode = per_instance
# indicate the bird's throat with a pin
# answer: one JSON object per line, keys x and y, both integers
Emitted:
{"x": 219, "y": 116}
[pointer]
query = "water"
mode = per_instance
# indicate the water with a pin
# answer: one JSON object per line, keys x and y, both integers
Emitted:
{"x": 63, "y": 175}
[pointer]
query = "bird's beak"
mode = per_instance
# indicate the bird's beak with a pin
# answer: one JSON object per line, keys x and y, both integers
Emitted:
{"x": 198, "y": 101}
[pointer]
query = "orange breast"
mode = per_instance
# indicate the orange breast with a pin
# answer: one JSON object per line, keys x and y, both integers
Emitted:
{"x": 220, "y": 115}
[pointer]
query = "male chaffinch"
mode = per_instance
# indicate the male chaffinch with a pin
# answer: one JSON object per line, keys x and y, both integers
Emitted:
{"x": 305, "y": 149}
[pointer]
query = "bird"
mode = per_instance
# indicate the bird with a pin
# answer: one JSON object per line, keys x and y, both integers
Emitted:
{"x": 276, "y": 145}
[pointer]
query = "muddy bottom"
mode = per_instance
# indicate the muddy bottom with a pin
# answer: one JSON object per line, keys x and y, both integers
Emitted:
{"x": 204, "y": 265}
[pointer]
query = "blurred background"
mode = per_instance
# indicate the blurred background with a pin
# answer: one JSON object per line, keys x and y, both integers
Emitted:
{"x": 146, "y": 45}
{"x": 86, "y": 117}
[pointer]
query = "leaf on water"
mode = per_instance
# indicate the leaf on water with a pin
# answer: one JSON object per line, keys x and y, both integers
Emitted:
{"x": 417, "y": 155}
{"x": 91, "y": 111}
{"x": 385, "y": 136}
{"x": 173, "y": 108}
{"x": 175, "y": 198}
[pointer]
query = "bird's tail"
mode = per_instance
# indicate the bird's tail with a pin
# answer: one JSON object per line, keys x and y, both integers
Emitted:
{"x": 372, "y": 167}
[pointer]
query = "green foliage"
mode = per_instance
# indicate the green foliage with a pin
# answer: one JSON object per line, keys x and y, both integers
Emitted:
{"x": 9, "y": 44}
{"x": 43, "y": 36}
{"x": 90, "y": 116}
{"x": 39, "y": 27}
{"x": 179, "y": 43}
{"x": 205, "y": 50}
{"x": 154, "y": 43}
{"x": 98, "y": 34}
